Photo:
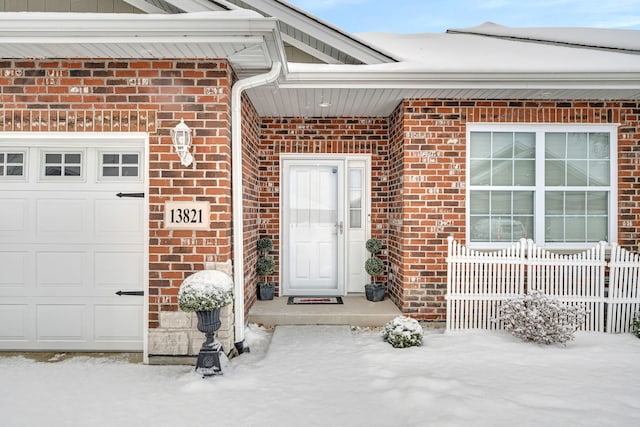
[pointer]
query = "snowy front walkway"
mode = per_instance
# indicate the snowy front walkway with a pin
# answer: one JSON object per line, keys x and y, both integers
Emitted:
{"x": 331, "y": 376}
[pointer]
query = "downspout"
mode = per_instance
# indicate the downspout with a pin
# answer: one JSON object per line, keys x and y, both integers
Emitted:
{"x": 237, "y": 191}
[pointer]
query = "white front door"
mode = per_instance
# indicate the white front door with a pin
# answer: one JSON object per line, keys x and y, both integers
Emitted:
{"x": 326, "y": 221}
{"x": 313, "y": 227}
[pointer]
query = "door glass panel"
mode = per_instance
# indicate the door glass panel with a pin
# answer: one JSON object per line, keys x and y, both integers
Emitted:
{"x": 355, "y": 197}
{"x": 355, "y": 220}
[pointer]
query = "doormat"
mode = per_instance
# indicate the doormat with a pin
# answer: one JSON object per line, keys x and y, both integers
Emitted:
{"x": 314, "y": 300}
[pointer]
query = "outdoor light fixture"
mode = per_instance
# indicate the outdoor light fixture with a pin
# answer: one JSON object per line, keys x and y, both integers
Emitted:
{"x": 181, "y": 137}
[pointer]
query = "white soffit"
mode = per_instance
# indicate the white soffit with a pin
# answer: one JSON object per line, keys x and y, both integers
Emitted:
{"x": 248, "y": 39}
{"x": 380, "y": 102}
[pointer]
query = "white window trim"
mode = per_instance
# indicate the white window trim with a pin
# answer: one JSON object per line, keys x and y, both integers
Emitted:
{"x": 63, "y": 178}
{"x": 101, "y": 178}
{"x": 25, "y": 164}
{"x": 540, "y": 129}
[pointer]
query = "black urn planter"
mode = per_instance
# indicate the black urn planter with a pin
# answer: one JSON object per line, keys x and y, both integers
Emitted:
{"x": 374, "y": 293}
{"x": 266, "y": 291}
{"x": 208, "y": 363}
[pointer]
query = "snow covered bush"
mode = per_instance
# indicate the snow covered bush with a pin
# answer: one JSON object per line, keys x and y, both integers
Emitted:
{"x": 205, "y": 290}
{"x": 541, "y": 319}
{"x": 635, "y": 325}
{"x": 403, "y": 332}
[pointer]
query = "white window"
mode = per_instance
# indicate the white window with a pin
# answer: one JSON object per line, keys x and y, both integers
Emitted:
{"x": 554, "y": 184}
{"x": 12, "y": 164}
{"x": 58, "y": 164}
{"x": 119, "y": 165}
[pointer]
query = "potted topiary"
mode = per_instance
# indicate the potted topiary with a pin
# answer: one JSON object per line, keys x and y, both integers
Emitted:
{"x": 265, "y": 267}
{"x": 374, "y": 268}
{"x": 205, "y": 293}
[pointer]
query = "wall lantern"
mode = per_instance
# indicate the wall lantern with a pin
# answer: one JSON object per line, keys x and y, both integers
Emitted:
{"x": 181, "y": 137}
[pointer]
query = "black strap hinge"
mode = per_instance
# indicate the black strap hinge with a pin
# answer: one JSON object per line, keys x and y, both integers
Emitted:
{"x": 140, "y": 195}
{"x": 136, "y": 293}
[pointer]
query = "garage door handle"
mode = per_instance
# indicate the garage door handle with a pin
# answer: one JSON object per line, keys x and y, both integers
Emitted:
{"x": 137, "y": 293}
{"x": 130, "y": 195}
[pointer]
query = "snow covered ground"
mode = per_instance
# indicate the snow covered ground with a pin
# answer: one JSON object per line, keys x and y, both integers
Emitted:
{"x": 331, "y": 376}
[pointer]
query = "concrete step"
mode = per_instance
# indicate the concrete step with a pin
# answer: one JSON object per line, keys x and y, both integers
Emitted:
{"x": 356, "y": 311}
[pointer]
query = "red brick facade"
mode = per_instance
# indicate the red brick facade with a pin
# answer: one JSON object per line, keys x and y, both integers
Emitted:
{"x": 418, "y": 162}
{"x": 419, "y": 156}
{"x": 142, "y": 96}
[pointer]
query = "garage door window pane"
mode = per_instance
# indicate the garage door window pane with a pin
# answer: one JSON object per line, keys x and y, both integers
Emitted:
{"x": 63, "y": 164}
{"x": 116, "y": 165}
{"x": 12, "y": 164}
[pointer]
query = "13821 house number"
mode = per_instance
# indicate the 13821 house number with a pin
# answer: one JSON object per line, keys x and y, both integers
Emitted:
{"x": 186, "y": 215}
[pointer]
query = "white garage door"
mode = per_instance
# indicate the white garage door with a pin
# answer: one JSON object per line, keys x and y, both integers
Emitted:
{"x": 68, "y": 243}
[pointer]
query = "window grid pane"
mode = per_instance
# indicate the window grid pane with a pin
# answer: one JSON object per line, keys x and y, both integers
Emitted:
{"x": 116, "y": 165}
{"x": 493, "y": 158}
{"x": 12, "y": 164}
{"x": 63, "y": 164}
{"x": 575, "y": 159}
{"x": 576, "y": 216}
{"x": 501, "y": 216}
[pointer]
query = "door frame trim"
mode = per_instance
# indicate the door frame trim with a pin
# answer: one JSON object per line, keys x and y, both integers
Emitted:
{"x": 344, "y": 158}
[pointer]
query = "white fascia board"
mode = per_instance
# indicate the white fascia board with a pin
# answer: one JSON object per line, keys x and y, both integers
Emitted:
{"x": 322, "y": 30}
{"x": 144, "y": 6}
{"x": 416, "y": 80}
{"x": 17, "y": 27}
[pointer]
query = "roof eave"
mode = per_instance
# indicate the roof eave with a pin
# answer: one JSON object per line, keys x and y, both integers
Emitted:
{"x": 421, "y": 80}
{"x": 323, "y": 30}
{"x": 22, "y": 32}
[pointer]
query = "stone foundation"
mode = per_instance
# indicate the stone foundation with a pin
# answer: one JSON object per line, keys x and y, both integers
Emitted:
{"x": 178, "y": 341}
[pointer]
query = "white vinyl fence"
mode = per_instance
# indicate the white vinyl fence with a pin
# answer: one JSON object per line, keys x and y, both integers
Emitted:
{"x": 478, "y": 282}
{"x": 624, "y": 289}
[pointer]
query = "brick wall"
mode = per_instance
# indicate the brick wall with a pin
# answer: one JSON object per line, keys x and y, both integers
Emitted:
{"x": 251, "y": 198}
{"x": 142, "y": 96}
{"x": 396, "y": 229}
{"x": 433, "y": 185}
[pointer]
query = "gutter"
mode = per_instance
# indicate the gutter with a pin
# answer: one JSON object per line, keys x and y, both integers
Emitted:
{"x": 237, "y": 191}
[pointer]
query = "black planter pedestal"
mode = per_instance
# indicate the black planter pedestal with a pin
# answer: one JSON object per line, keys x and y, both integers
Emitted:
{"x": 208, "y": 363}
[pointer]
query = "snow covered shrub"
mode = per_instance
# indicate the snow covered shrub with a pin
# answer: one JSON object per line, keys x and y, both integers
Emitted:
{"x": 205, "y": 290}
{"x": 541, "y": 319}
{"x": 635, "y": 325}
{"x": 403, "y": 332}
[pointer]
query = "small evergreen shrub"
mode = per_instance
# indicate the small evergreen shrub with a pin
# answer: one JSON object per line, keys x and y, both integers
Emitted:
{"x": 265, "y": 245}
{"x": 635, "y": 325}
{"x": 373, "y": 246}
{"x": 403, "y": 332}
{"x": 265, "y": 266}
{"x": 374, "y": 266}
{"x": 541, "y": 319}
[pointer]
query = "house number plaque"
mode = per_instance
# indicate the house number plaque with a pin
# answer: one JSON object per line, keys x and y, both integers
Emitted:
{"x": 186, "y": 215}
